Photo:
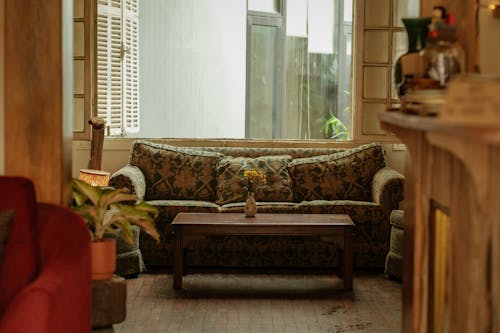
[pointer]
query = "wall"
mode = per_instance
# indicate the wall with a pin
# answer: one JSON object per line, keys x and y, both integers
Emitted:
{"x": 489, "y": 42}
{"x": 192, "y": 62}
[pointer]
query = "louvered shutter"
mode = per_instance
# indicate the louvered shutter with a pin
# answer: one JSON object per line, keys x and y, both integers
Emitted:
{"x": 109, "y": 64}
{"x": 131, "y": 66}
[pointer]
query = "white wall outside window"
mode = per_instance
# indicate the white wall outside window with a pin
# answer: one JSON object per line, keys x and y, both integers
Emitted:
{"x": 192, "y": 65}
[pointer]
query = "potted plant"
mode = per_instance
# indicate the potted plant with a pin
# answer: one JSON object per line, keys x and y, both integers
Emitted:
{"x": 108, "y": 210}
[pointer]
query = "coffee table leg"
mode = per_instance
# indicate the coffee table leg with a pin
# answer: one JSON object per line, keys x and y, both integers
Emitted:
{"x": 178, "y": 259}
{"x": 347, "y": 258}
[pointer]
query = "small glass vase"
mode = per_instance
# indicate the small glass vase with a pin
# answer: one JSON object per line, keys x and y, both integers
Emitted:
{"x": 443, "y": 60}
{"x": 250, "y": 205}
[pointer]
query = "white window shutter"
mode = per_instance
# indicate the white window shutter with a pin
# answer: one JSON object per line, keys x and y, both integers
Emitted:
{"x": 118, "y": 65}
{"x": 131, "y": 66}
{"x": 109, "y": 64}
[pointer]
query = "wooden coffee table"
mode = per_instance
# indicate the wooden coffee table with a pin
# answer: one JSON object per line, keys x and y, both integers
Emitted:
{"x": 187, "y": 225}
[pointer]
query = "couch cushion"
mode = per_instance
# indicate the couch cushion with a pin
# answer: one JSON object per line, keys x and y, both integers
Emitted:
{"x": 341, "y": 176}
{"x": 231, "y": 185}
{"x": 5, "y": 221}
{"x": 177, "y": 173}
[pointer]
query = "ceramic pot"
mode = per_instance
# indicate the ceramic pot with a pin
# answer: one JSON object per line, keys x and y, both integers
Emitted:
{"x": 103, "y": 259}
{"x": 250, "y": 205}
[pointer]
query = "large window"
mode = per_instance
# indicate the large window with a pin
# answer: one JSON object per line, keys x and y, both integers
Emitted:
{"x": 299, "y": 66}
{"x": 267, "y": 69}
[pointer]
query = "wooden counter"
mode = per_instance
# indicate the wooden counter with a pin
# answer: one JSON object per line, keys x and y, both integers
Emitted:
{"x": 453, "y": 169}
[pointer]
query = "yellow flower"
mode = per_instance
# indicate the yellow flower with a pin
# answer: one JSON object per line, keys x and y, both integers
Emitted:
{"x": 253, "y": 179}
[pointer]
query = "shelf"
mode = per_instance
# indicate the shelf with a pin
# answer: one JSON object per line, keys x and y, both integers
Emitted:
{"x": 398, "y": 121}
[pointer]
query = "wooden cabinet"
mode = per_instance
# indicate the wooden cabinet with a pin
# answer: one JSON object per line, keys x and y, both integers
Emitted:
{"x": 451, "y": 270}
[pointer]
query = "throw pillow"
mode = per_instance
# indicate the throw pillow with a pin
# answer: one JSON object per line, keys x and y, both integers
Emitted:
{"x": 231, "y": 185}
{"x": 340, "y": 176}
{"x": 176, "y": 173}
{"x": 5, "y": 222}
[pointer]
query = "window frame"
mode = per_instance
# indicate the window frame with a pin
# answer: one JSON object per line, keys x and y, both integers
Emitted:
{"x": 357, "y": 137}
{"x": 87, "y": 58}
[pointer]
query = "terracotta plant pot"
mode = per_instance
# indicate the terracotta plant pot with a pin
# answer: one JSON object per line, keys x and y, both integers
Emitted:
{"x": 103, "y": 259}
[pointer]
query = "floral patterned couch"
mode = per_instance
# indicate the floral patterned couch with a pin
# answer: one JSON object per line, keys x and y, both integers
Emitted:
{"x": 299, "y": 180}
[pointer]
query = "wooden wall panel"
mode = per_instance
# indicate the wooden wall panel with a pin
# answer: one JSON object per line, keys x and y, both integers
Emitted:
{"x": 38, "y": 131}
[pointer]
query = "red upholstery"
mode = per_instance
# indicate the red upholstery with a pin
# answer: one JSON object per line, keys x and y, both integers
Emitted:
{"x": 45, "y": 281}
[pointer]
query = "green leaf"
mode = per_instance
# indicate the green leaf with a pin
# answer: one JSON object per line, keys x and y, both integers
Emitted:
{"x": 109, "y": 210}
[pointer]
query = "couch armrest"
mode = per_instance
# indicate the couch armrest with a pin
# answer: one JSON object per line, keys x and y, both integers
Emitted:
{"x": 387, "y": 188}
{"x": 59, "y": 299}
{"x": 130, "y": 177}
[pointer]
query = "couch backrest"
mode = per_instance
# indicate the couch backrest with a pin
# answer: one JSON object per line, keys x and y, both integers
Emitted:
{"x": 193, "y": 173}
{"x": 256, "y": 152}
{"x": 19, "y": 264}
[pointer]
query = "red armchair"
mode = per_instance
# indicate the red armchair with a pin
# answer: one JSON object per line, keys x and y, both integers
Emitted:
{"x": 45, "y": 283}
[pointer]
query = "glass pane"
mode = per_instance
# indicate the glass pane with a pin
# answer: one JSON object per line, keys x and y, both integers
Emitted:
{"x": 375, "y": 82}
{"x": 262, "y": 81}
{"x": 377, "y": 13}
{"x": 78, "y": 39}
{"x": 267, "y": 6}
{"x": 318, "y": 84}
{"x": 370, "y": 122}
{"x": 377, "y": 46}
{"x": 320, "y": 28}
{"x": 78, "y": 114}
{"x": 78, "y": 8}
{"x": 78, "y": 76}
{"x": 296, "y": 18}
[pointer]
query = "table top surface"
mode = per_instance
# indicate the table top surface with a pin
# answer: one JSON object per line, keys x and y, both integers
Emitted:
{"x": 261, "y": 219}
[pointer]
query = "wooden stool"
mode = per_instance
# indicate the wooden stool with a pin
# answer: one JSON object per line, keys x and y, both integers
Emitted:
{"x": 108, "y": 303}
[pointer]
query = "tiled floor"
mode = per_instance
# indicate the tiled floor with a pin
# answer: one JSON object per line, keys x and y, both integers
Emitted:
{"x": 230, "y": 302}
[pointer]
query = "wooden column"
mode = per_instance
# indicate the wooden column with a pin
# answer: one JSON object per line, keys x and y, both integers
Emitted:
{"x": 38, "y": 84}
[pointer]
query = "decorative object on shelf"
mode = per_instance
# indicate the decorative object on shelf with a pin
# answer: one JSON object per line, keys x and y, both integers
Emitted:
{"x": 253, "y": 179}
{"x": 108, "y": 210}
{"x": 443, "y": 58}
{"x": 408, "y": 64}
